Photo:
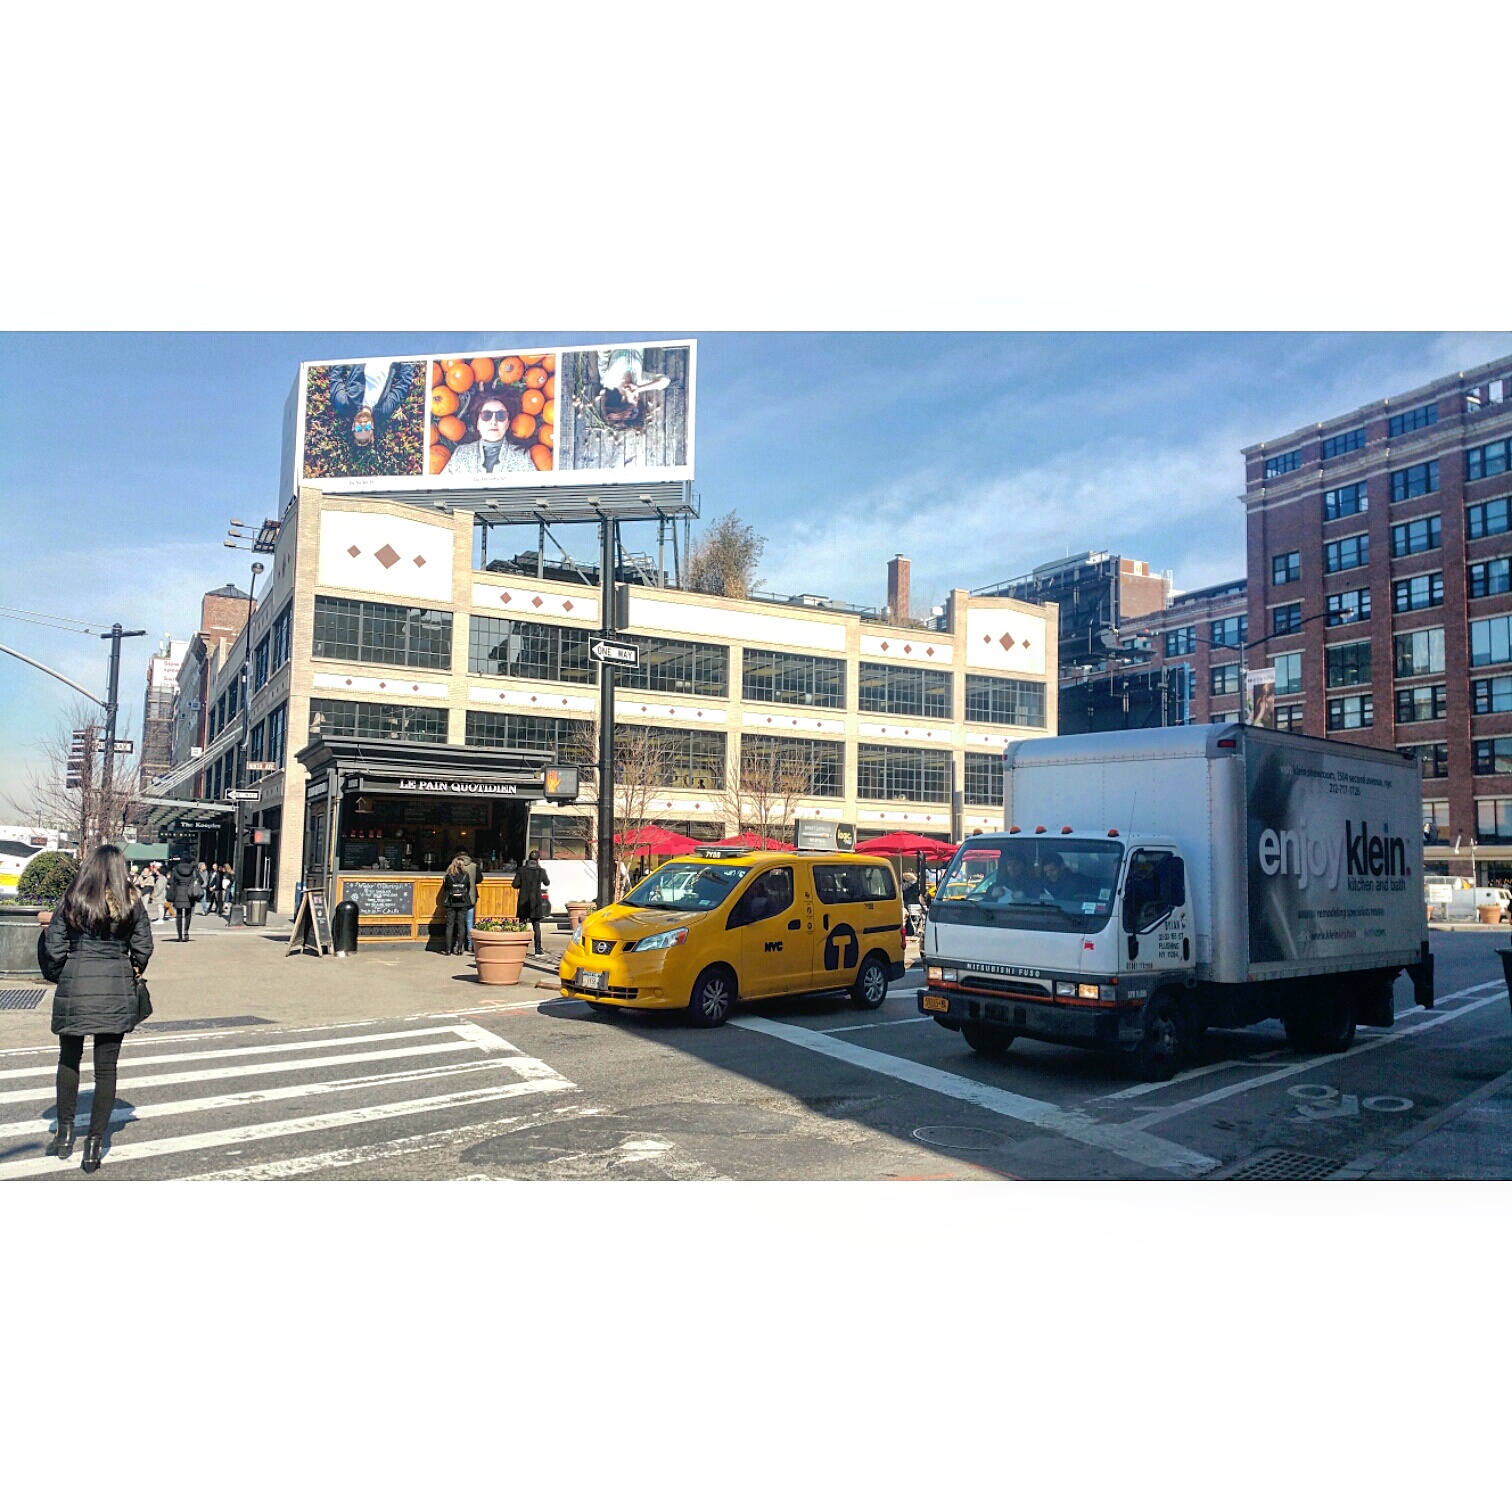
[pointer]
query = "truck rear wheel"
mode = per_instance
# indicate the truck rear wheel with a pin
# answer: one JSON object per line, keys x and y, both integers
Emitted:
{"x": 1167, "y": 1040}
{"x": 1323, "y": 1029}
{"x": 986, "y": 1041}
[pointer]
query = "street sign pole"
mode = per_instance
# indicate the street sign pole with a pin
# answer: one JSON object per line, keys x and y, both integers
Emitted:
{"x": 606, "y": 878}
{"x": 115, "y": 635}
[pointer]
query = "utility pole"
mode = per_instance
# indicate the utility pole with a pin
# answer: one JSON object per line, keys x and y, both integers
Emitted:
{"x": 115, "y": 635}
{"x": 606, "y": 876}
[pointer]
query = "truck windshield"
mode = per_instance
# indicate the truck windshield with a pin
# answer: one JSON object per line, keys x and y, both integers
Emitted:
{"x": 686, "y": 885}
{"x": 1065, "y": 886}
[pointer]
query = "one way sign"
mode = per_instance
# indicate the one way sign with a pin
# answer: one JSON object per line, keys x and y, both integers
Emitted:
{"x": 620, "y": 653}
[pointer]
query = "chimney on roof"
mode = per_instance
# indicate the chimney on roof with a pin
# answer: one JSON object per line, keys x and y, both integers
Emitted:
{"x": 897, "y": 590}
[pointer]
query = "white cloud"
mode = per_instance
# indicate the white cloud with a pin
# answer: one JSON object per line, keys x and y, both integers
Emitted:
{"x": 1176, "y": 508}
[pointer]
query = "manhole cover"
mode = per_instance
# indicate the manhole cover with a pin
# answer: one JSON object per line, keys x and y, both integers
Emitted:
{"x": 241, "y": 1022}
{"x": 947, "y": 1137}
{"x": 1282, "y": 1165}
{"x": 21, "y": 998}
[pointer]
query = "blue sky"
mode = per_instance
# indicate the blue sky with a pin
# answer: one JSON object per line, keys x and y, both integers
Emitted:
{"x": 975, "y": 455}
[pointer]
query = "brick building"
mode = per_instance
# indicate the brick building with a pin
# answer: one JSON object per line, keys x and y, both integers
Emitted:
{"x": 1379, "y": 552}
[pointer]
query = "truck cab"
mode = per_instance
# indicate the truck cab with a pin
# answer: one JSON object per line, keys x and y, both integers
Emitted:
{"x": 1067, "y": 937}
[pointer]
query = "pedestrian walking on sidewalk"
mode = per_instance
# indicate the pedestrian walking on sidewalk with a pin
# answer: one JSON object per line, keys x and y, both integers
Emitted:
{"x": 530, "y": 879}
{"x": 475, "y": 871}
{"x": 216, "y": 890}
{"x": 97, "y": 944}
{"x": 459, "y": 893}
{"x": 183, "y": 891}
{"x": 159, "y": 893}
{"x": 204, "y": 889}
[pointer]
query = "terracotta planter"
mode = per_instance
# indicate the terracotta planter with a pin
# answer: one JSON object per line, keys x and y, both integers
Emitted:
{"x": 499, "y": 956}
{"x": 1489, "y": 913}
{"x": 577, "y": 912}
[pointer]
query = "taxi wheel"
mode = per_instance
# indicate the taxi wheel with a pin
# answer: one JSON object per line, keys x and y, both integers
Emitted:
{"x": 713, "y": 998}
{"x": 870, "y": 987}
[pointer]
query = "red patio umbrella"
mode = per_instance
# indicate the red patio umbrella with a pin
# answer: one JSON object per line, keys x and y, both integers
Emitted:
{"x": 653, "y": 840}
{"x": 750, "y": 841}
{"x": 901, "y": 843}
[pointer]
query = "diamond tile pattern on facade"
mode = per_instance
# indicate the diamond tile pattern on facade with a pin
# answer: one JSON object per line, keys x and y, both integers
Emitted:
{"x": 386, "y": 555}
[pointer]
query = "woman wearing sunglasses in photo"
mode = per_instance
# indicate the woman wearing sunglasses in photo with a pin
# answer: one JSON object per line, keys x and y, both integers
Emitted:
{"x": 492, "y": 451}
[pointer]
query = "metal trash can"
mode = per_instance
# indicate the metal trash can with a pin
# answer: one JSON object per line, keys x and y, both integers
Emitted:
{"x": 344, "y": 927}
{"x": 257, "y": 906}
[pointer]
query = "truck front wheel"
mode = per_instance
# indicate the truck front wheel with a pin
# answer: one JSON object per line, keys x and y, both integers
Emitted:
{"x": 986, "y": 1041}
{"x": 1167, "y": 1040}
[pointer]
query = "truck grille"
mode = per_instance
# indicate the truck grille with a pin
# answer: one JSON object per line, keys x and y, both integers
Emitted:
{"x": 1015, "y": 986}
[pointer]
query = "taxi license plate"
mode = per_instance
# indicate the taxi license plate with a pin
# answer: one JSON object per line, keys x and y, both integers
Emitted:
{"x": 934, "y": 1004}
{"x": 592, "y": 981}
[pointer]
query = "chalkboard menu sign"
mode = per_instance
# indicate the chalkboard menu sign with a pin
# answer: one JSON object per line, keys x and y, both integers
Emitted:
{"x": 380, "y": 897}
{"x": 312, "y": 924}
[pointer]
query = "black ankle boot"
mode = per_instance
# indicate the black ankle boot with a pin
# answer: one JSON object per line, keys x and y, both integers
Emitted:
{"x": 91, "y": 1162}
{"x": 62, "y": 1143}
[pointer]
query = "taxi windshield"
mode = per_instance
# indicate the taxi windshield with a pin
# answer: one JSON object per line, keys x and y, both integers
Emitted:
{"x": 684, "y": 886}
{"x": 1060, "y": 885}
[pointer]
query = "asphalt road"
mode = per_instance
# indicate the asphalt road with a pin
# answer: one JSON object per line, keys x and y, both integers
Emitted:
{"x": 425, "y": 1086}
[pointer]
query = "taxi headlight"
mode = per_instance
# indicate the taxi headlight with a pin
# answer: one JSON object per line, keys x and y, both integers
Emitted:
{"x": 663, "y": 941}
{"x": 577, "y": 935}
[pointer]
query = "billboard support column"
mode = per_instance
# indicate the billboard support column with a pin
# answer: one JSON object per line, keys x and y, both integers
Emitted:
{"x": 606, "y": 878}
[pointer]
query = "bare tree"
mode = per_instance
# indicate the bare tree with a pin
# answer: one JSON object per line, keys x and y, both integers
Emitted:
{"x": 91, "y": 810}
{"x": 640, "y": 773}
{"x": 724, "y": 559}
{"x": 768, "y": 782}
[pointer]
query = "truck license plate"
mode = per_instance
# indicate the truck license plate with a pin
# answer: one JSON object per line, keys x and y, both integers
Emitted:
{"x": 593, "y": 981}
{"x": 936, "y": 1004}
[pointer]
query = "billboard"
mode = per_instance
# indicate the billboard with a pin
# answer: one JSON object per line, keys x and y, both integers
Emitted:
{"x": 1335, "y": 850}
{"x": 1260, "y": 697}
{"x": 495, "y": 419}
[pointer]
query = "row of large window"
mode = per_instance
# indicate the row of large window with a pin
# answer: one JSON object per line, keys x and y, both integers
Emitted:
{"x": 267, "y": 741}
{"x": 353, "y": 630}
{"x": 1232, "y": 630}
{"x": 654, "y": 756}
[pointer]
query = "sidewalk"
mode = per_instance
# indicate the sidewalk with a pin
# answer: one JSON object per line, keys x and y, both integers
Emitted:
{"x": 222, "y": 973}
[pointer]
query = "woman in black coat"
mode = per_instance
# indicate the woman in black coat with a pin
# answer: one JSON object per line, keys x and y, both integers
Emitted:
{"x": 98, "y": 940}
{"x": 184, "y": 891}
{"x": 529, "y": 881}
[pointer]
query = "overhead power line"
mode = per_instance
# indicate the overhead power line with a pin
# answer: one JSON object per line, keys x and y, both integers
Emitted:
{"x": 48, "y": 621}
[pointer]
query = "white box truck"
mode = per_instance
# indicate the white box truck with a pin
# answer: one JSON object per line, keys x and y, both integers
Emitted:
{"x": 1150, "y": 884}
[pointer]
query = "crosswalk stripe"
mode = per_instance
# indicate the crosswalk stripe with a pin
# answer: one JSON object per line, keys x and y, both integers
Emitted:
{"x": 410, "y": 1144}
{"x": 527, "y": 1068}
{"x": 282, "y": 1046}
{"x": 289, "y": 1127}
{"x": 263, "y": 1068}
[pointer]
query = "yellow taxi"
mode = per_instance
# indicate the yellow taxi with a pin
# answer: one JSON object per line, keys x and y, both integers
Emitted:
{"x": 709, "y": 930}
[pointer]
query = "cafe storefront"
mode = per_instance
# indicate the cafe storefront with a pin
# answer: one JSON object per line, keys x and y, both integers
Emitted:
{"x": 384, "y": 818}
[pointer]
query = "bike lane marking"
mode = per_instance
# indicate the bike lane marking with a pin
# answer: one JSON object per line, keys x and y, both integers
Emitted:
{"x": 1120, "y": 1139}
{"x": 1234, "y": 1089}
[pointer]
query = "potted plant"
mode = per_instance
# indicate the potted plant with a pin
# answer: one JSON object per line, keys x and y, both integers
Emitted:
{"x": 576, "y": 913}
{"x": 499, "y": 948}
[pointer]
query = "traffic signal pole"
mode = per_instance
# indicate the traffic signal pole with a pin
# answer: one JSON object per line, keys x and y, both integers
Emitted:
{"x": 606, "y": 877}
{"x": 115, "y": 635}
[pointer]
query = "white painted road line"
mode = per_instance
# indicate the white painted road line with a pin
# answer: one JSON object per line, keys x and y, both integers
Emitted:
{"x": 278, "y": 1048}
{"x": 529, "y": 1076}
{"x": 1119, "y": 1139}
{"x": 128, "y": 1084}
{"x": 877, "y": 1024}
{"x": 409, "y": 1144}
{"x": 288, "y": 1128}
{"x": 1161, "y": 1115}
{"x": 1145, "y": 1088}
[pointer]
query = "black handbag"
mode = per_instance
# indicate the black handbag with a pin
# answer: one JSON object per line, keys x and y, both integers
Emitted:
{"x": 143, "y": 1001}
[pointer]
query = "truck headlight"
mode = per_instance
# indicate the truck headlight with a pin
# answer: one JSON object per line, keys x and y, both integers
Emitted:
{"x": 933, "y": 976}
{"x": 1065, "y": 989}
{"x": 948, "y": 974}
{"x": 663, "y": 941}
{"x": 1087, "y": 990}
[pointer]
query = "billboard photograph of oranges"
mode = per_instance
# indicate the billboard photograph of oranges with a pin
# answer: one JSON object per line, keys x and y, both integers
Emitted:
{"x": 365, "y": 420}
{"x": 628, "y": 409}
{"x": 492, "y": 414}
